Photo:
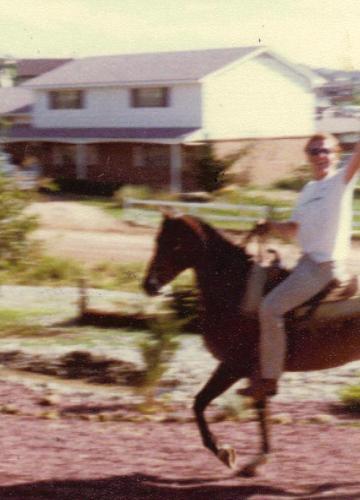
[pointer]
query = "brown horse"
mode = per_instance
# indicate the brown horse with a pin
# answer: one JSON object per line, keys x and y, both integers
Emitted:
{"x": 222, "y": 269}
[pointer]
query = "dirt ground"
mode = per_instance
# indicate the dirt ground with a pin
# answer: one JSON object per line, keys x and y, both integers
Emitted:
{"x": 70, "y": 450}
{"x": 88, "y": 235}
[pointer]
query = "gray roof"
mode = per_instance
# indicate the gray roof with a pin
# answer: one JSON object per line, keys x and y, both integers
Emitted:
{"x": 34, "y": 67}
{"x": 27, "y": 132}
{"x": 150, "y": 67}
{"x": 15, "y": 99}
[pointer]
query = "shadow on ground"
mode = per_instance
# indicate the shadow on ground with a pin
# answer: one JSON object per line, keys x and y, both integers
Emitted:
{"x": 151, "y": 487}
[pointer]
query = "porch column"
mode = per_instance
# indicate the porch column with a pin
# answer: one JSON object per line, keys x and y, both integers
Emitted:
{"x": 81, "y": 159}
{"x": 175, "y": 168}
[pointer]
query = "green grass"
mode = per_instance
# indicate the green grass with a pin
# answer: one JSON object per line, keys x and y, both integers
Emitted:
{"x": 110, "y": 276}
{"x": 108, "y": 205}
{"x": 21, "y": 323}
{"x": 54, "y": 271}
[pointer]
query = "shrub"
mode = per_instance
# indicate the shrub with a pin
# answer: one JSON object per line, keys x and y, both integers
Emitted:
{"x": 157, "y": 350}
{"x": 210, "y": 171}
{"x": 301, "y": 176}
{"x": 350, "y": 396}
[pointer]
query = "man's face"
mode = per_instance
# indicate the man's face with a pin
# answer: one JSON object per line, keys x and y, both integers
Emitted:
{"x": 322, "y": 157}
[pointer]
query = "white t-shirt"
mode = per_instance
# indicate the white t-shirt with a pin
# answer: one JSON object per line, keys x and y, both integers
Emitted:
{"x": 324, "y": 214}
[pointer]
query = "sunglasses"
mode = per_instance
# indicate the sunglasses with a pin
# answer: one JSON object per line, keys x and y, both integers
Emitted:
{"x": 319, "y": 151}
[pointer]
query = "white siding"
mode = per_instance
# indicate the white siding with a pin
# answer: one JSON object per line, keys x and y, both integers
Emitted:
{"x": 110, "y": 107}
{"x": 257, "y": 98}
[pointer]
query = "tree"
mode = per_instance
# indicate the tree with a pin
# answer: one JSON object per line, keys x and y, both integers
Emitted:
{"x": 210, "y": 171}
{"x": 15, "y": 224}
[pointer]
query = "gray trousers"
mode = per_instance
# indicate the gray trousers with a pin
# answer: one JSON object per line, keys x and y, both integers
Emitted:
{"x": 306, "y": 280}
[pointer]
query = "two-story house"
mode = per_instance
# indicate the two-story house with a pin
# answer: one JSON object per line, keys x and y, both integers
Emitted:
{"x": 16, "y": 103}
{"x": 142, "y": 118}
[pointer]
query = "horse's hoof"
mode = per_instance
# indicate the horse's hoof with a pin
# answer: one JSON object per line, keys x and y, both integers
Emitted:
{"x": 227, "y": 455}
{"x": 250, "y": 470}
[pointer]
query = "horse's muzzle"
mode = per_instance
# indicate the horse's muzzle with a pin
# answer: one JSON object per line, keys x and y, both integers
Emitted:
{"x": 151, "y": 286}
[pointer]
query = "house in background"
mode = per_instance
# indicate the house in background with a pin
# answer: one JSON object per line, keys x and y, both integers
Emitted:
{"x": 16, "y": 102}
{"x": 143, "y": 118}
{"x": 14, "y": 72}
{"x": 341, "y": 86}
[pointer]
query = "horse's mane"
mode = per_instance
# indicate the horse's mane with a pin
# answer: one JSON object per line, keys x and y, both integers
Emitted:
{"x": 217, "y": 238}
{"x": 224, "y": 267}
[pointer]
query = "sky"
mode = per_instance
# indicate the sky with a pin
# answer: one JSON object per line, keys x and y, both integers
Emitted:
{"x": 320, "y": 33}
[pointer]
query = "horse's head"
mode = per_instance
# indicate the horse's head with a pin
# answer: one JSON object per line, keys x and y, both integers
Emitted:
{"x": 179, "y": 246}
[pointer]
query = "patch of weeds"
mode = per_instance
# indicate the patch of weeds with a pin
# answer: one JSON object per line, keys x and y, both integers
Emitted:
{"x": 53, "y": 270}
{"x": 350, "y": 397}
{"x": 127, "y": 277}
{"x": 42, "y": 270}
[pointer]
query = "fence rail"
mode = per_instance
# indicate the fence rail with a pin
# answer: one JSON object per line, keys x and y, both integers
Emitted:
{"x": 147, "y": 211}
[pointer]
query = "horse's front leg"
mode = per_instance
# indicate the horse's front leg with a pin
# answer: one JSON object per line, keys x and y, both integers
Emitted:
{"x": 223, "y": 378}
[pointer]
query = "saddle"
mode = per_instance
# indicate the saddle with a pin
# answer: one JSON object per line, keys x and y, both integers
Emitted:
{"x": 337, "y": 300}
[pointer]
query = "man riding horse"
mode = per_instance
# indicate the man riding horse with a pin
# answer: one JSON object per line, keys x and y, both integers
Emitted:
{"x": 321, "y": 222}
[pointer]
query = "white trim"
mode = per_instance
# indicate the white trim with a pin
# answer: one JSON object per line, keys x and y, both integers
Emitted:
{"x": 79, "y": 140}
{"x": 130, "y": 83}
{"x": 313, "y": 78}
{"x": 310, "y": 75}
{"x": 175, "y": 168}
{"x": 81, "y": 153}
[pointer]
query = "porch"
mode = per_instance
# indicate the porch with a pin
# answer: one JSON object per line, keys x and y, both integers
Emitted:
{"x": 159, "y": 162}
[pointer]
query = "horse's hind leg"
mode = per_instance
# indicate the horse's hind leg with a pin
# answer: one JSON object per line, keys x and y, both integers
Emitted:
{"x": 223, "y": 378}
{"x": 262, "y": 411}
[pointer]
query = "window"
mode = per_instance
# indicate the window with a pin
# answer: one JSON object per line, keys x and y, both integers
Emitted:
{"x": 151, "y": 155}
{"x": 150, "y": 97}
{"x": 66, "y": 99}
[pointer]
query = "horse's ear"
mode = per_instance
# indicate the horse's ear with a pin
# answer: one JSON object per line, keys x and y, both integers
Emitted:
{"x": 167, "y": 212}
{"x": 170, "y": 213}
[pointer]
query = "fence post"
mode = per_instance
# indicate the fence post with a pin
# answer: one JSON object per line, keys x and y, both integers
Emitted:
{"x": 83, "y": 298}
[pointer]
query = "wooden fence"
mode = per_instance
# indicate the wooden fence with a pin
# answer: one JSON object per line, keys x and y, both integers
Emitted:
{"x": 224, "y": 214}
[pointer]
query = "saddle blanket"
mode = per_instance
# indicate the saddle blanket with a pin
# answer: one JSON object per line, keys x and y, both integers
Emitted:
{"x": 336, "y": 304}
